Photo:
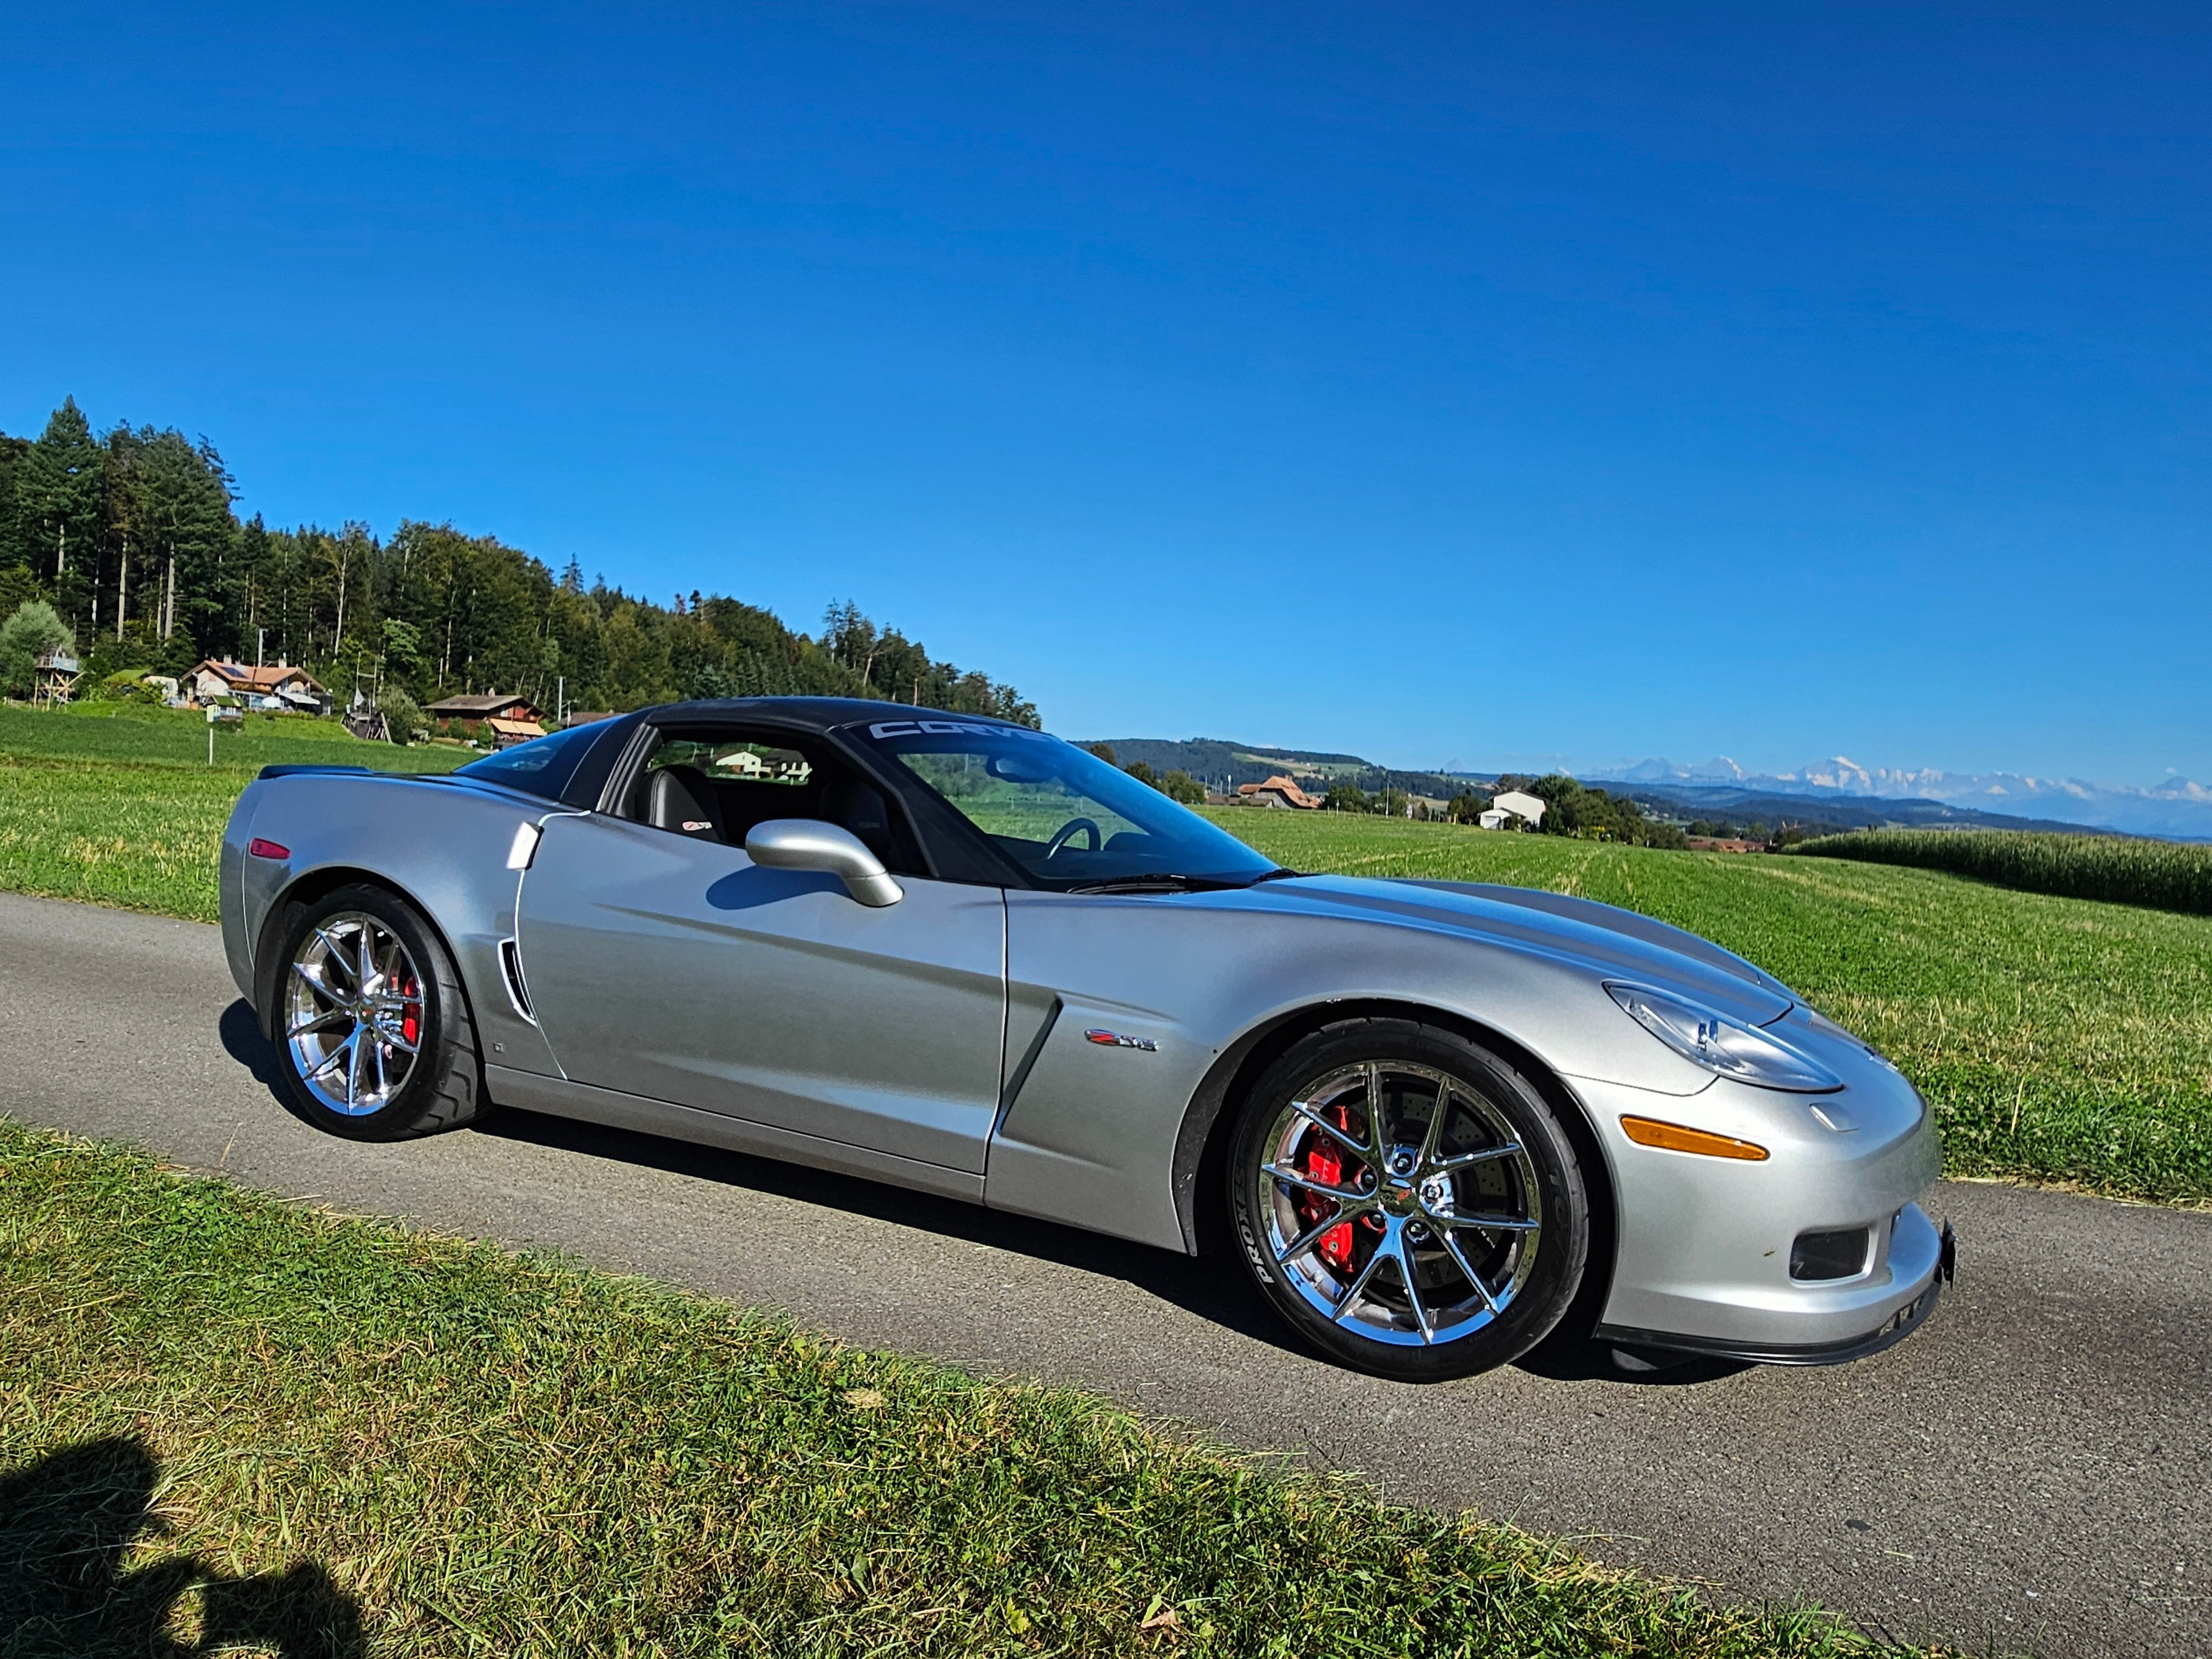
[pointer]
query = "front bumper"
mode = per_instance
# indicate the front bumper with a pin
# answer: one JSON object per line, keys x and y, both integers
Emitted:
{"x": 1900, "y": 1324}
{"x": 1704, "y": 1243}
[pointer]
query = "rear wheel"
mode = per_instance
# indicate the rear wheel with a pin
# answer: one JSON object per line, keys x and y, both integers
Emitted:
{"x": 375, "y": 1034}
{"x": 1407, "y": 1200}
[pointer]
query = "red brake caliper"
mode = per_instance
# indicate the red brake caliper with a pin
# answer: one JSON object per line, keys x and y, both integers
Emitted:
{"x": 1325, "y": 1164}
{"x": 410, "y": 1015}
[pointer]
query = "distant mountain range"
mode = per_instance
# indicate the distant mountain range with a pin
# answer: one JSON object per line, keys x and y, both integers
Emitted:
{"x": 1833, "y": 794}
{"x": 2176, "y": 808}
{"x": 1221, "y": 764}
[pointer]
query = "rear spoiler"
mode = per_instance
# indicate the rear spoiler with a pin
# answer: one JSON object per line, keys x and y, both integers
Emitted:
{"x": 295, "y": 771}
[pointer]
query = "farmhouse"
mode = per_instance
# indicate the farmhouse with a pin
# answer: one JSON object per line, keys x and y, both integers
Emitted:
{"x": 1278, "y": 791}
{"x": 491, "y": 706}
{"x": 281, "y": 686}
{"x": 1510, "y": 809}
{"x": 506, "y": 733}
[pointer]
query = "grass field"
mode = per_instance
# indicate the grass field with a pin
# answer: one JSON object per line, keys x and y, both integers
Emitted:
{"x": 227, "y": 1420}
{"x": 179, "y": 736}
{"x": 116, "y": 803}
{"x": 2057, "y": 1039}
{"x": 2163, "y": 873}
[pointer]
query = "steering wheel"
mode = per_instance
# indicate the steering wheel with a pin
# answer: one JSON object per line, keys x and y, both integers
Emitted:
{"x": 1068, "y": 831}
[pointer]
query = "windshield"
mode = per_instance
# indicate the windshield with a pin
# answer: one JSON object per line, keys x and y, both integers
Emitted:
{"x": 1069, "y": 819}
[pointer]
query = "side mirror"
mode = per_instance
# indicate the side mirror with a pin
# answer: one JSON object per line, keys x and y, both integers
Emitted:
{"x": 811, "y": 844}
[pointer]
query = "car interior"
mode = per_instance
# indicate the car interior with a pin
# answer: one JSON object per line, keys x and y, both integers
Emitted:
{"x": 715, "y": 785}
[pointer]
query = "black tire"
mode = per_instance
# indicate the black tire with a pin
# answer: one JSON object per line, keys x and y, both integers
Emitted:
{"x": 1536, "y": 1168}
{"x": 443, "y": 1084}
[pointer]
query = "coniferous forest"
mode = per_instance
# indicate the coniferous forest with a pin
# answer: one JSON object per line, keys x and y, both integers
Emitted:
{"x": 133, "y": 537}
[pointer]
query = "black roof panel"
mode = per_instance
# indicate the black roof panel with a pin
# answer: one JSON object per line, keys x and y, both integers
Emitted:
{"x": 814, "y": 713}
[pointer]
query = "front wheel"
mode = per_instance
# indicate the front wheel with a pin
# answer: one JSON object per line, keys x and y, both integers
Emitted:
{"x": 1407, "y": 1200}
{"x": 373, "y": 1031}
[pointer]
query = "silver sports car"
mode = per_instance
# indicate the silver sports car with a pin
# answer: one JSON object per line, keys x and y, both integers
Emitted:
{"x": 1439, "y": 1119}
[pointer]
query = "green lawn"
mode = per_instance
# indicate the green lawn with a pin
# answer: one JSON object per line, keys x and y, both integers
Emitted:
{"x": 179, "y": 736}
{"x": 2058, "y": 1039}
{"x": 116, "y": 803}
{"x": 226, "y": 1419}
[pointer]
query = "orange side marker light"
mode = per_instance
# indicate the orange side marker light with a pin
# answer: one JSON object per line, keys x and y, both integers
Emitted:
{"x": 1680, "y": 1137}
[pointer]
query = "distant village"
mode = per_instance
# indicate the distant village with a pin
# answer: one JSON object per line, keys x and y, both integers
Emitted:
{"x": 1510, "y": 809}
{"x": 490, "y": 719}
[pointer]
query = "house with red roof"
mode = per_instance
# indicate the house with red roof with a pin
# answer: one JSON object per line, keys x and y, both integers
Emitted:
{"x": 291, "y": 688}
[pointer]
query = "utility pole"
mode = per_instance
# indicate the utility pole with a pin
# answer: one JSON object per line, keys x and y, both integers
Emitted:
{"x": 559, "y": 699}
{"x": 259, "y": 635}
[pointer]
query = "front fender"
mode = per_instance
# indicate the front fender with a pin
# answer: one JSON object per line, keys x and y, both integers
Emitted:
{"x": 1091, "y": 1133}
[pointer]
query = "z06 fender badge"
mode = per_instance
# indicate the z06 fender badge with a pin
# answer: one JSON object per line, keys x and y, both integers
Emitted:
{"x": 1115, "y": 1040}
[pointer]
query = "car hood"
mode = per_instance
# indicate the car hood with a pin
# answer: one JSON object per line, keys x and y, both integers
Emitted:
{"x": 1615, "y": 943}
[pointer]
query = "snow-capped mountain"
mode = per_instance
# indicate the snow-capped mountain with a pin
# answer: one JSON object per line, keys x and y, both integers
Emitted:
{"x": 1719, "y": 770}
{"x": 2176, "y": 806}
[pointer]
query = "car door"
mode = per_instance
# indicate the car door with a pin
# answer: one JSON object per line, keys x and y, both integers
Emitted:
{"x": 669, "y": 966}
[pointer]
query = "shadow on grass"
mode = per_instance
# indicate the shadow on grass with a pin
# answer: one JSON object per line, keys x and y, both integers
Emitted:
{"x": 68, "y": 1522}
{"x": 1214, "y": 1286}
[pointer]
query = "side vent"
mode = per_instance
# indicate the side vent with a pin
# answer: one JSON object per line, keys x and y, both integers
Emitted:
{"x": 510, "y": 964}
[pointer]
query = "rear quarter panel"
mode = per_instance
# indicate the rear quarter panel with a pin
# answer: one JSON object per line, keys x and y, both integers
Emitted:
{"x": 440, "y": 844}
{"x": 231, "y": 871}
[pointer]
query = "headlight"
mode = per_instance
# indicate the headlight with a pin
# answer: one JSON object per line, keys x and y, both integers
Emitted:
{"x": 1720, "y": 1045}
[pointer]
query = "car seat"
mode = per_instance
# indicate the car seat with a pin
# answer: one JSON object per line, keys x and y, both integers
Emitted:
{"x": 683, "y": 799}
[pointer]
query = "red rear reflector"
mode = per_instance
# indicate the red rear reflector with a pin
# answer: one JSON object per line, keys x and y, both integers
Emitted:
{"x": 267, "y": 849}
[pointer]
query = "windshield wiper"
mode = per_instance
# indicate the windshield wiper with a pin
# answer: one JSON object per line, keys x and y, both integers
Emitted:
{"x": 1174, "y": 883}
{"x": 1278, "y": 874}
{"x": 1163, "y": 883}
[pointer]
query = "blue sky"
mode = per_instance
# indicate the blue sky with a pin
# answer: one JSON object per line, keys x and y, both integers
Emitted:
{"x": 1446, "y": 383}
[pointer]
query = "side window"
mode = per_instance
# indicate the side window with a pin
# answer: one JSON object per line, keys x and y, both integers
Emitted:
{"x": 542, "y": 766}
{"x": 715, "y": 785}
{"x": 735, "y": 760}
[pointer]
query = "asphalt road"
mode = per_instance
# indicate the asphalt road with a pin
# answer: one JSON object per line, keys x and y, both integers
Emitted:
{"x": 2029, "y": 1473}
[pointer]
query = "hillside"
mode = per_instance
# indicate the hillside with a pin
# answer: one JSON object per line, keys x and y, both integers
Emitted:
{"x": 1222, "y": 764}
{"x": 2175, "y": 807}
{"x": 133, "y": 536}
{"x": 1817, "y": 814}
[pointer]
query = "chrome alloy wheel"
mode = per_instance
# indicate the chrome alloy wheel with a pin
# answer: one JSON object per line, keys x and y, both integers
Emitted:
{"x": 1401, "y": 1205}
{"x": 354, "y": 1015}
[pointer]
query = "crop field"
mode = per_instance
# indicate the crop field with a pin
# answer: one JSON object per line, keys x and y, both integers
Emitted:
{"x": 2057, "y": 1039}
{"x": 228, "y": 1421}
{"x": 2167, "y": 874}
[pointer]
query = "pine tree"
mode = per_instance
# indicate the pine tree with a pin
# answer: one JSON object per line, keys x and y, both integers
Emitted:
{"x": 60, "y": 486}
{"x": 178, "y": 498}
